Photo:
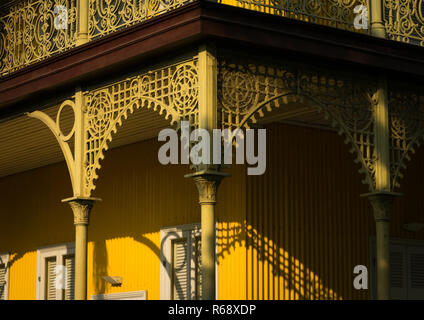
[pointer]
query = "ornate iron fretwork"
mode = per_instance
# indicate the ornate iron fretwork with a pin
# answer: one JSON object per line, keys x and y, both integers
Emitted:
{"x": 28, "y": 33}
{"x": 107, "y": 16}
{"x": 172, "y": 91}
{"x": 404, "y": 20}
{"x": 406, "y": 112}
{"x": 334, "y": 13}
{"x": 247, "y": 90}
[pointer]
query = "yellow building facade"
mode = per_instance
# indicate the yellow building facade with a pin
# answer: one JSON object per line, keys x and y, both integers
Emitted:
{"x": 301, "y": 242}
{"x": 79, "y": 128}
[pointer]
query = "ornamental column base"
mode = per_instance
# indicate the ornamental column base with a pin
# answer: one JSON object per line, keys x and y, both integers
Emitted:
{"x": 81, "y": 208}
{"x": 382, "y": 205}
{"x": 207, "y": 183}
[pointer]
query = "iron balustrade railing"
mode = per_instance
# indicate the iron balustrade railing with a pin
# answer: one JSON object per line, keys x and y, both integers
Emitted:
{"x": 28, "y": 33}
{"x": 106, "y": 16}
{"x": 404, "y": 20}
{"x": 334, "y": 13}
{"x": 29, "y": 29}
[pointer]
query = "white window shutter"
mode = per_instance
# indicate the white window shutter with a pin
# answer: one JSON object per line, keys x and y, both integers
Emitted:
{"x": 50, "y": 277}
{"x": 2, "y": 281}
{"x": 398, "y": 272}
{"x": 181, "y": 274}
{"x": 180, "y": 270}
{"x": 416, "y": 272}
{"x": 69, "y": 262}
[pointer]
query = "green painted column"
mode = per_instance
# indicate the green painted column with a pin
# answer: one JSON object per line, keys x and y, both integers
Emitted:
{"x": 81, "y": 208}
{"x": 382, "y": 203}
{"x": 382, "y": 198}
{"x": 83, "y": 11}
{"x": 207, "y": 183}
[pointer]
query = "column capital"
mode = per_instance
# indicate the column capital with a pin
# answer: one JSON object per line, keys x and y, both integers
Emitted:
{"x": 382, "y": 203}
{"x": 81, "y": 208}
{"x": 207, "y": 183}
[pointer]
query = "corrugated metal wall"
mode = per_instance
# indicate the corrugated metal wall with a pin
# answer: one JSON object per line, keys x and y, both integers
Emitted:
{"x": 307, "y": 227}
{"x": 296, "y": 232}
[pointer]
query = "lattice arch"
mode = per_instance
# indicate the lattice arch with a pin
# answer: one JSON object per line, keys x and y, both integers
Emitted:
{"x": 406, "y": 116}
{"x": 247, "y": 90}
{"x": 171, "y": 91}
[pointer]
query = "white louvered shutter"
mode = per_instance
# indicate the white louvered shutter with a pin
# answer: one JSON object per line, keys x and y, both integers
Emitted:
{"x": 69, "y": 262}
{"x": 398, "y": 272}
{"x": 198, "y": 267}
{"x": 50, "y": 278}
{"x": 416, "y": 273}
{"x": 2, "y": 281}
{"x": 180, "y": 279}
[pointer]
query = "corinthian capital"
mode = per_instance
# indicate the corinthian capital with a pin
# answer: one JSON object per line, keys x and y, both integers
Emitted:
{"x": 207, "y": 183}
{"x": 382, "y": 204}
{"x": 81, "y": 208}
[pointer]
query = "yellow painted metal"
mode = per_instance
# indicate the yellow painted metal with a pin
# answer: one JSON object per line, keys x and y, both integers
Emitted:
{"x": 106, "y": 17}
{"x": 91, "y": 19}
{"x": 83, "y": 24}
{"x": 377, "y": 18}
{"x": 382, "y": 202}
{"x": 332, "y": 13}
{"x": 29, "y": 34}
{"x": 296, "y": 232}
{"x": 403, "y": 21}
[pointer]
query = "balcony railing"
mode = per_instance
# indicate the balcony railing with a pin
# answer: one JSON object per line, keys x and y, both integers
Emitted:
{"x": 28, "y": 35}
{"x": 404, "y": 20}
{"x": 334, "y": 13}
{"x": 106, "y": 16}
{"x": 29, "y": 29}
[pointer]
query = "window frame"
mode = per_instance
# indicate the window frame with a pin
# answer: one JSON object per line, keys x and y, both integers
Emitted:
{"x": 168, "y": 234}
{"x": 130, "y": 295}
{"x": 393, "y": 243}
{"x": 4, "y": 258}
{"x": 59, "y": 251}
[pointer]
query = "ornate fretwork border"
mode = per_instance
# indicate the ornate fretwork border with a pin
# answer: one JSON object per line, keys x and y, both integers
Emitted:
{"x": 404, "y": 20}
{"x": 28, "y": 33}
{"x": 246, "y": 90}
{"x": 406, "y": 115}
{"x": 172, "y": 91}
{"x": 334, "y": 13}
{"x": 106, "y": 16}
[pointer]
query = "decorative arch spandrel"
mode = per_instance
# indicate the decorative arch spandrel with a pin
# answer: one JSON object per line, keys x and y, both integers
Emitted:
{"x": 406, "y": 117}
{"x": 248, "y": 89}
{"x": 171, "y": 91}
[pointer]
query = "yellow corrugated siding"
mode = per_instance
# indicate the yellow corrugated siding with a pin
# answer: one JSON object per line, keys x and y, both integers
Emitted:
{"x": 32, "y": 216}
{"x": 307, "y": 226}
{"x": 141, "y": 199}
{"x": 296, "y": 232}
{"x": 300, "y": 246}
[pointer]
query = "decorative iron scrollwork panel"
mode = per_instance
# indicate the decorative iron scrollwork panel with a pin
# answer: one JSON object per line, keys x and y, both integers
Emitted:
{"x": 334, "y": 13}
{"x": 406, "y": 115}
{"x": 107, "y": 16}
{"x": 404, "y": 20}
{"x": 172, "y": 91}
{"x": 246, "y": 90}
{"x": 28, "y": 33}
